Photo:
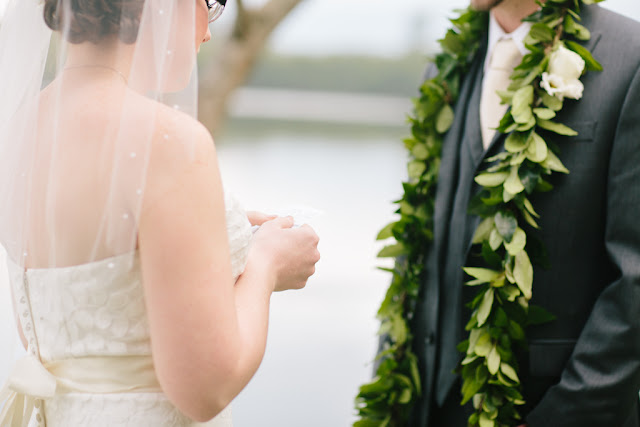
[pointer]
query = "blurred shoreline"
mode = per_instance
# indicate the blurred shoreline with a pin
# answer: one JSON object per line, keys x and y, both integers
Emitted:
{"x": 319, "y": 107}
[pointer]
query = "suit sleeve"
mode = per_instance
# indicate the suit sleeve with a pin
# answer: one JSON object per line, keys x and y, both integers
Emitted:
{"x": 599, "y": 385}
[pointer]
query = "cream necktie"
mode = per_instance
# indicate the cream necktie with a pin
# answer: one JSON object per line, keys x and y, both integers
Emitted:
{"x": 504, "y": 58}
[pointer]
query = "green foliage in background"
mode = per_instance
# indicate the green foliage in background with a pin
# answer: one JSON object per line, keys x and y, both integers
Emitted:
{"x": 361, "y": 74}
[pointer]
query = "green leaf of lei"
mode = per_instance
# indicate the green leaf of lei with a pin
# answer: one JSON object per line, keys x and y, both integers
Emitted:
{"x": 444, "y": 119}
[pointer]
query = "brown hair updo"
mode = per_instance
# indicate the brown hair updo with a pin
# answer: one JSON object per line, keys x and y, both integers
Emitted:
{"x": 94, "y": 20}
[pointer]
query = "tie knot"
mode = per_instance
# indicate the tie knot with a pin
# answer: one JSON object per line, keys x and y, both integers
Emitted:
{"x": 505, "y": 56}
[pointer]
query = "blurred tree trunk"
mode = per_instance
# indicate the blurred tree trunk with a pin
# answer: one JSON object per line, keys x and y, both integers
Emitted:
{"x": 237, "y": 57}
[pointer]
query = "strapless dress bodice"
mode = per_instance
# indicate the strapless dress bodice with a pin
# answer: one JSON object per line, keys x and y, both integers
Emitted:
{"x": 98, "y": 309}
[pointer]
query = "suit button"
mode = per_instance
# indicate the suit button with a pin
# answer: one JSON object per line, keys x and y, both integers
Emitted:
{"x": 430, "y": 339}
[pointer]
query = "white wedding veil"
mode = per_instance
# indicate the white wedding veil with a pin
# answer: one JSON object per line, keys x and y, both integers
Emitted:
{"x": 88, "y": 90}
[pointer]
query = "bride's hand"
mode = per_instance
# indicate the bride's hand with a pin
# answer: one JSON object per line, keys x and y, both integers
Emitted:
{"x": 290, "y": 253}
{"x": 259, "y": 218}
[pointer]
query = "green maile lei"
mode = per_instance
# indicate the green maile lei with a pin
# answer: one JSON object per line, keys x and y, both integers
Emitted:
{"x": 500, "y": 310}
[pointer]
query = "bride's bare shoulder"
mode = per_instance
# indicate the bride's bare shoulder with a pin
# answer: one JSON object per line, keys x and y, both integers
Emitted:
{"x": 181, "y": 151}
{"x": 177, "y": 136}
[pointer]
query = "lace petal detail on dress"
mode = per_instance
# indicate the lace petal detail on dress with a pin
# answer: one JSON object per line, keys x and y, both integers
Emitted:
{"x": 98, "y": 309}
{"x": 239, "y": 231}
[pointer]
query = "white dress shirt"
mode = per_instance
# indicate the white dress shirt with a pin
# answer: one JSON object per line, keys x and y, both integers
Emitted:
{"x": 491, "y": 109}
{"x": 496, "y": 33}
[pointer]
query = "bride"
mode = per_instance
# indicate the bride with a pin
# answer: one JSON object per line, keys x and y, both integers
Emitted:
{"x": 141, "y": 294}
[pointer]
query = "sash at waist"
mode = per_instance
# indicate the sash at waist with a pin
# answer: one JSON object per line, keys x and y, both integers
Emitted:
{"x": 113, "y": 374}
{"x": 31, "y": 380}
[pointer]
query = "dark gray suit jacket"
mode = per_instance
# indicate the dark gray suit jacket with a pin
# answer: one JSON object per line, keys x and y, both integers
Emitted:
{"x": 583, "y": 369}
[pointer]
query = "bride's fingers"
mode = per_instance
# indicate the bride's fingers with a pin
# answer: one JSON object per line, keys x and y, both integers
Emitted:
{"x": 282, "y": 222}
{"x": 259, "y": 218}
{"x": 310, "y": 230}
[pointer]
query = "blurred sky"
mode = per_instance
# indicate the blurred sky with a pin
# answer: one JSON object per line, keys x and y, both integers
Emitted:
{"x": 376, "y": 27}
{"x": 372, "y": 27}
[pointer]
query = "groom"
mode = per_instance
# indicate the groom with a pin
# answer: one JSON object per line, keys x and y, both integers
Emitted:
{"x": 582, "y": 369}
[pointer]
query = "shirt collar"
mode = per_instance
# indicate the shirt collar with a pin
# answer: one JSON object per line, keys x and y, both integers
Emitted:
{"x": 496, "y": 33}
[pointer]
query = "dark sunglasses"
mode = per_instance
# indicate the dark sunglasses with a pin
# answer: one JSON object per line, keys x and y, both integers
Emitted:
{"x": 216, "y": 7}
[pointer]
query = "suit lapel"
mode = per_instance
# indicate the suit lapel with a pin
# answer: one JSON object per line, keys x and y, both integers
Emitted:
{"x": 449, "y": 166}
{"x": 473, "y": 132}
{"x": 593, "y": 42}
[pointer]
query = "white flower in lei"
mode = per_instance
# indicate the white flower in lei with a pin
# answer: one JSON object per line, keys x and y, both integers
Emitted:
{"x": 562, "y": 78}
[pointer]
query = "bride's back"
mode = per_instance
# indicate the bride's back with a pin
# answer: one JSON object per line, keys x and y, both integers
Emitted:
{"x": 76, "y": 176}
{"x": 85, "y": 175}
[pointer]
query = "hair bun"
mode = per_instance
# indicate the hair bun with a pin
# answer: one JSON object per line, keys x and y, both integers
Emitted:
{"x": 94, "y": 20}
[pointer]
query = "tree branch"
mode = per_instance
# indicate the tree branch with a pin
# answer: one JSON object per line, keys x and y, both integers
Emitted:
{"x": 236, "y": 60}
{"x": 242, "y": 21}
{"x": 274, "y": 11}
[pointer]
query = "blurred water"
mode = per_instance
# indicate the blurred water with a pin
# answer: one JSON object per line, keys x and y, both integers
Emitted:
{"x": 321, "y": 339}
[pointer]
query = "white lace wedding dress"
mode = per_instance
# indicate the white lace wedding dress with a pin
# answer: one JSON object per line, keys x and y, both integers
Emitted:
{"x": 96, "y": 311}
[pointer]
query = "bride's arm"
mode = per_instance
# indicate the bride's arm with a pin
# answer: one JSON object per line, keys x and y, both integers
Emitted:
{"x": 208, "y": 334}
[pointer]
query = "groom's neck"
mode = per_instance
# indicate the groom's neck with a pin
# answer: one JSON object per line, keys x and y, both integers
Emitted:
{"x": 510, "y": 13}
